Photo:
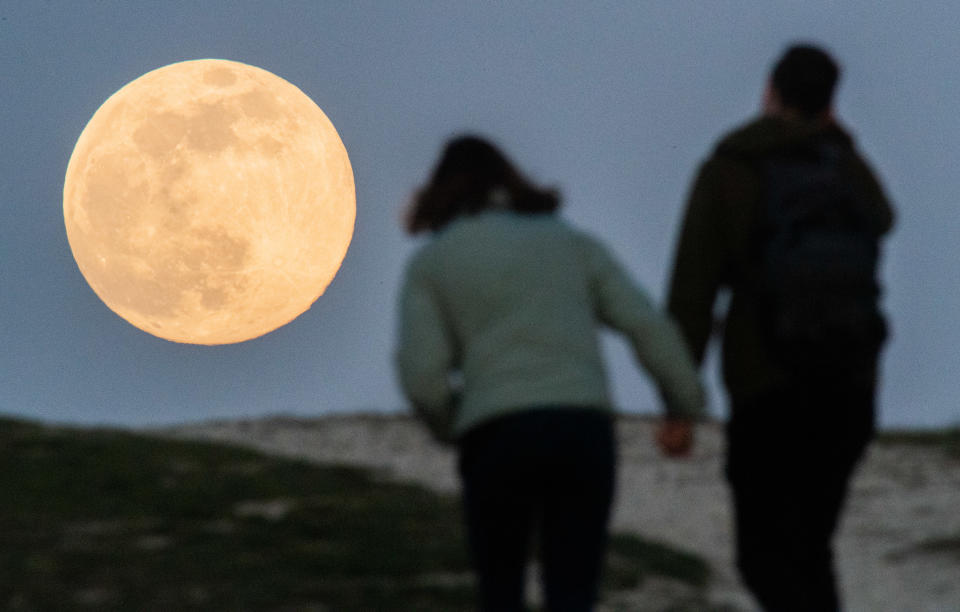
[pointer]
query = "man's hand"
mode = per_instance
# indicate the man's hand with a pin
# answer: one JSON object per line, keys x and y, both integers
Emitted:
{"x": 675, "y": 437}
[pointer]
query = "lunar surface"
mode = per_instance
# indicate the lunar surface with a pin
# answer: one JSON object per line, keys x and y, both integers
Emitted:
{"x": 209, "y": 202}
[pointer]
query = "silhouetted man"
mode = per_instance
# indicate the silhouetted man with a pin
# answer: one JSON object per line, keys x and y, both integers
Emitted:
{"x": 787, "y": 217}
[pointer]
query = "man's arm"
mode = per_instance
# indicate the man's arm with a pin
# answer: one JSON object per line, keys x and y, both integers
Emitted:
{"x": 875, "y": 194}
{"x": 699, "y": 264}
{"x": 700, "y": 261}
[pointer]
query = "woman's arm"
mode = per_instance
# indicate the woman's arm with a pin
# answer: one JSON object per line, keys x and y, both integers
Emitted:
{"x": 425, "y": 355}
{"x": 657, "y": 343}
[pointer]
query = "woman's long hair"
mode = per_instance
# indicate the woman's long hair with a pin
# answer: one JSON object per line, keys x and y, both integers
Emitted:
{"x": 473, "y": 175}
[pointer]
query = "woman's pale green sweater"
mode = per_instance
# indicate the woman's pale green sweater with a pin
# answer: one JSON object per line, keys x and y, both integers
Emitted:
{"x": 499, "y": 312}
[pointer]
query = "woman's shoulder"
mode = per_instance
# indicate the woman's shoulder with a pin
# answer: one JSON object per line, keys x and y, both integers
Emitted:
{"x": 582, "y": 239}
{"x": 443, "y": 244}
{"x": 499, "y": 230}
{"x": 419, "y": 261}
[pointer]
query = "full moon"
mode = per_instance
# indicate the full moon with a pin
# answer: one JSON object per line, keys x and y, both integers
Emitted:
{"x": 209, "y": 202}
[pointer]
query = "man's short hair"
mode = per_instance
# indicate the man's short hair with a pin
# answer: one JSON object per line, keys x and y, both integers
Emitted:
{"x": 805, "y": 77}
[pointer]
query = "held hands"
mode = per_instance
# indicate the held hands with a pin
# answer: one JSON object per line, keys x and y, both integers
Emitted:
{"x": 438, "y": 422}
{"x": 439, "y": 427}
{"x": 675, "y": 437}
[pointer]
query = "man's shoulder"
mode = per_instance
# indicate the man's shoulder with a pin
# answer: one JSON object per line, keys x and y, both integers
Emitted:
{"x": 744, "y": 133}
{"x": 769, "y": 135}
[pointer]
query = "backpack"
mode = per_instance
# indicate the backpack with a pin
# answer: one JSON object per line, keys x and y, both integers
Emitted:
{"x": 817, "y": 285}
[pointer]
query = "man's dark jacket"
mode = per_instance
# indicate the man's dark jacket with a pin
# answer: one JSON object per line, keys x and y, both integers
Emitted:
{"x": 719, "y": 238}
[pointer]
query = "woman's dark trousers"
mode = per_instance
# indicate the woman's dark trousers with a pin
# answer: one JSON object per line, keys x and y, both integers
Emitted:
{"x": 547, "y": 472}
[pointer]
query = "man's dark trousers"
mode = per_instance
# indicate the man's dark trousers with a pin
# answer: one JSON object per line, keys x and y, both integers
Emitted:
{"x": 789, "y": 460}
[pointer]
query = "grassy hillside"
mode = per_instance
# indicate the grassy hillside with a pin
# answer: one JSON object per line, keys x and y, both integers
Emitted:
{"x": 947, "y": 440}
{"x": 108, "y": 520}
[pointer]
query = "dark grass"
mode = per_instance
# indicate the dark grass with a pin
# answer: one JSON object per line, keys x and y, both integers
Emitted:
{"x": 944, "y": 545}
{"x": 631, "y": 557}
{"x": 109, "y": 520}
{"x": 947, "y": 440}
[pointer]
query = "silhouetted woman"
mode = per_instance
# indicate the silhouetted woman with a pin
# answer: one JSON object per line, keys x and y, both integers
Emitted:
{"x": 499, "y": 353}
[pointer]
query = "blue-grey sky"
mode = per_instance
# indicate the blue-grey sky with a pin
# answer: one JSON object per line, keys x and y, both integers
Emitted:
{"x": 615, "y": 102}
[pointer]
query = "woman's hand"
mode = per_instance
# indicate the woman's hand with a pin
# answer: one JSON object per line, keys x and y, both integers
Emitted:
{"x": 675, "y": 437}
